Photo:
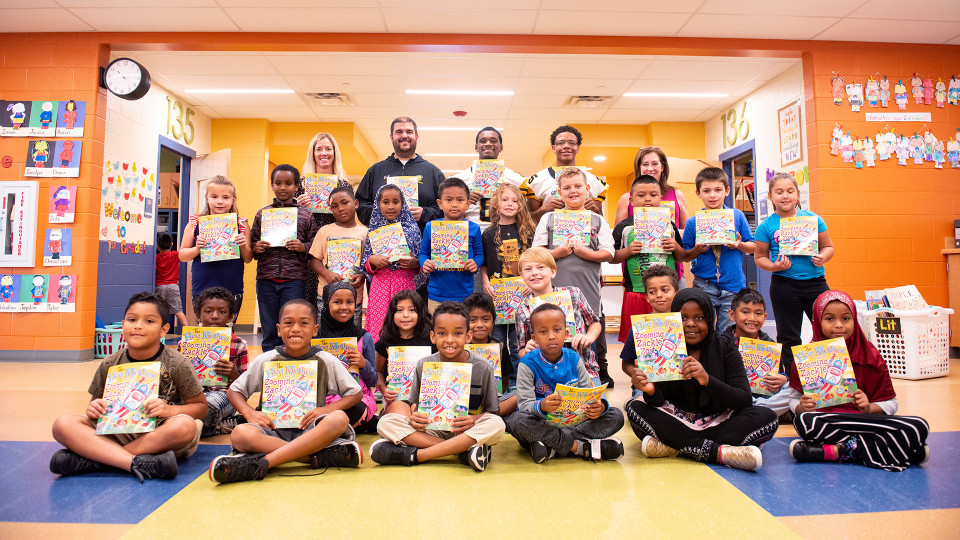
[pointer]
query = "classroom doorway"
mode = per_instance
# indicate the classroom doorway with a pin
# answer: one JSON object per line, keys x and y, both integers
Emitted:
{"x": 173, "y": 207}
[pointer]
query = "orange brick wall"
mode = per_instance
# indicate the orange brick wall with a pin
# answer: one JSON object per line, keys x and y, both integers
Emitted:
{"x": 57, "y": 68}
{"x": 888, "y": 222}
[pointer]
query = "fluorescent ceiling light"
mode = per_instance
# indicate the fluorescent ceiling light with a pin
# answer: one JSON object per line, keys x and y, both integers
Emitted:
{"x": 599, "y": 158}
{"x": 676, "y": 94}
{"x": 451, "y": 155}
{"x": 449, "y": 171}
{"x": 239, "y": 91}
{"x": 444, "y": 128}
{"x": 462, "y": 92}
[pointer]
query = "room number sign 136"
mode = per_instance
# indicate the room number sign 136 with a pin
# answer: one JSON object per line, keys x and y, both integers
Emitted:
{"x": 178, "y": 121}
{"x": 736, "y": 127}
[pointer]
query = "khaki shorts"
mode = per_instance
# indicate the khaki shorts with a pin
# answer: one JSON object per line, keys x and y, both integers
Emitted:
{"x": 186, "y": 451}
{"x": 171, "y": 295}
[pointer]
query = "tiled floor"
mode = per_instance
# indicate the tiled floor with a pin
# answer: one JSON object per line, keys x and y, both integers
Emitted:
{"x": 514, "y": 497}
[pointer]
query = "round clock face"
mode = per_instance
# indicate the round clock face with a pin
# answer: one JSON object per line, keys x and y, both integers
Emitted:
{"x": 123, "y": 77}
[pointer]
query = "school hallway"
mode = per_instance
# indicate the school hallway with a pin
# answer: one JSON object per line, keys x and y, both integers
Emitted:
{"x": 514, "y": 497}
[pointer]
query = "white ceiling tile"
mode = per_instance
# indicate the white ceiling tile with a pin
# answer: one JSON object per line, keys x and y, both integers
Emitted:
{"x": 253, "y": 100}
{"x": 430, "y": 81}
{"x": 755, "y": 26}
{"x": 955, "y": 40}
{"x": 710, "y": 70}
{"x": 270, "y": 19}
{"x": 609, "y": 23}
{"x": 931, "y": 10}
{"x": 895, "y": 31}
{"x": 41, "y": 20}
{"x": 340, "y": 64}
{"x": 261, "y": 81}
{"x": 492, "y": 5}
{"x": 205, "y": 64}
{"x": 139, "y": 3}
{"x": 538, "y": 100}
{"x": 610, "y": 67}
{"x": 807, "y": 8}
{"x": 209, "y": 111}
{"x": 297, "y": 3}
{"x": 31, "y": 4}
{"x": 464, "y": 66}
{"x": 560, "y": 116}
{"x": 455, "y": 21}
{"x": 645, "y": 116}
{"x": 572, "y": 87}
{"x": 652, "y": 6}
{"x": 273, "y": 112}
{"x": 377, "y": 99}
{"x": 335, "y": 83}
{"x": 156, "y": 19}
{"x": 674, "y": 85}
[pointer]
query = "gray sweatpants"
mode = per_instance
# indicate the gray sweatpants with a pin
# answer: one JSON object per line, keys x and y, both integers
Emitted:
{"x": 527, "y": 428}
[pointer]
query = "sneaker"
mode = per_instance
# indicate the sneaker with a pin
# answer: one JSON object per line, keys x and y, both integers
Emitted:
{"x": 341, "y": 455}
{"x": 238, "y": 468}
{"x": 477, "y": 457}
{"x": 162, "y": 466}
{"x": 540, "y": 452}
{"x": 597, "y": 449}
{"x": 653, "y": 448}
{"x": 67, "y": 462}
{"x": 227, "y": 425}
{"x": 745, "y": 458}
{"x": 605, "y": 378}
{"x": 385, "y": 452}
{"x": 926, "y": 455}
{"x": 801, "y": 450}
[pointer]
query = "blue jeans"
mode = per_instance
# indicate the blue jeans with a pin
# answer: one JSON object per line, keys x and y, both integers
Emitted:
{"x": 271, "y": 296}
{"x": 508, "y": 333}
{"x": 720, "y": 299}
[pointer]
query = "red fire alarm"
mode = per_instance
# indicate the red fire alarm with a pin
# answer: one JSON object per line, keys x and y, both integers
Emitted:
{"x": 459, "y": 114}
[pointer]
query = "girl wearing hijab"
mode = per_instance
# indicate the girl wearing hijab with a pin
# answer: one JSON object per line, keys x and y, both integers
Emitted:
{"x": 708, "y": 415}
{"x": 865, "y": 431}
{"x": 337, "y": 309}
{"x": 388, "y": 278}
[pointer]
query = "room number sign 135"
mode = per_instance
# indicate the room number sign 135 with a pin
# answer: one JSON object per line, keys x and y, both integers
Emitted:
{"x": 736, "y": 127}
{"x": 178, "y": 121}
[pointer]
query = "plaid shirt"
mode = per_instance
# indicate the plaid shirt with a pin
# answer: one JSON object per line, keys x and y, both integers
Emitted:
{"x": 280, "y": 263}
{"x": 583, "y": 317}
{"x": 238, "y": 353}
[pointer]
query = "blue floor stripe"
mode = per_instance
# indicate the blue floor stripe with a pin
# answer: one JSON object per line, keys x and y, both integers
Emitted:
{"x": 30, "y": 493}
{"x": 784, "y": 487}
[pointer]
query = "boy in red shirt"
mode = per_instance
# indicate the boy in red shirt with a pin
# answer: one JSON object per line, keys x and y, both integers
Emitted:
{"x": 168, "y": 276}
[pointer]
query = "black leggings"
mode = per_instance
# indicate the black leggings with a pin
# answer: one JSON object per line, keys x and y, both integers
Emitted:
{"x": 748, "y": 426}
{"x": 887, "y": 442}
{"x": 792, "y": 299}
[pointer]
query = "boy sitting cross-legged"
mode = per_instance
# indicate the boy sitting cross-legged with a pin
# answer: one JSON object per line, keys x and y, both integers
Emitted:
{"x": 540, "y": 371}
{"x": 406, "y": 439}
{"x": 324, "y": 438}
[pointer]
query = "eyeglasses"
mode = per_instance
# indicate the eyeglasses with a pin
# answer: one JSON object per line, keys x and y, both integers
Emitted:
{"x": 566, "y": 143}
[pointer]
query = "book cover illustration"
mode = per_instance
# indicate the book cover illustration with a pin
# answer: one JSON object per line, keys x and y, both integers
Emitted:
{"x": 10, "y": 292}
{"x": 14, "y": 119}
{"x": 507, "y": 297}
{"x": 58, "y": 247}
{"x": 410, "y": 186}
{"x": 799, "y": 236}
{"x": 62, "y": 205}
{"x": 43, "y": 119}
{"x": 760, "y": 358}
{"x": 449, "y": 241}
{"x": 907, "y": 298}
{"x": 672, "y": 205}
{"x": 343, "y": 256}
{"x": 651, "y": 226}
{"x": 571, "y": 225}
{"x": 875, "y": 299}
{"x": 826, "y": 372}
{"x": 127, "y": 389}
{"x": 491, "y": 353}
{"x": 218, "y": 231}
{"x": 33, "y": 292}
{"x": 658, "y": 339}
{"x": 487, "y": 174}
{"x": 444, "y": 393}
{"x": 70, "y": 118}
{"x": 204, "y": 346}
{"x": 337, "y": 347}
{"x": 564, "y": 301}
{"x": 401, "y": 363}
{"x": 318, "y": 187}
{"x": 289, "y": 391}
{"x": 389, "y": 241}
{"x": 62, "y": 296}
{"x": 715, "y": 227}
{"x": 277, "y": 225}
{"x": 572, "y": 401}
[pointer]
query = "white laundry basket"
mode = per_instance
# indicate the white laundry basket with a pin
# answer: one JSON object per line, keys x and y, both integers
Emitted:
{"x": 915, "y": 344}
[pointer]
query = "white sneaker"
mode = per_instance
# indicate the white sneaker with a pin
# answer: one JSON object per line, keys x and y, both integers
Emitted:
{"x": 745, "y": 458}
{"x": 653, "y": 448}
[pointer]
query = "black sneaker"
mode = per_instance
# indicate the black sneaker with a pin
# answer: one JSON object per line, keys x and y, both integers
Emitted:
{"x": 540, "y": 452}
{"x": 477, "y": 457}
{"x": 238, "y": 468}
{"x": 597, "y": 449}
{"x": 162, "y": 466}
{"x": 67, "y": 462}
{"x": 803, "y": 451}
{"x": 385, "y": 452}
{"x": 341, "y": 455}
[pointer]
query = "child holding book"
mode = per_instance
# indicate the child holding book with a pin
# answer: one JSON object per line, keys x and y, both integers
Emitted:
{"x": 406, "y": 439}
{"x": 718, "y": 270}
{"x": 388, "y": 278}
{"x": 281, "y": 270}
{"x": 537, "y": 268}
{"x": 660, "y": 285}
{"x": 578, "y": 262}
{"x": 797, "y": 279}
{"x": 167, "y": 280}
{"x": 324, "y": 437}
{"x": 343, "y": 206}
{"x": 482, "y": 314}
{"x": 221, "y": 198}
{"x": 866, "y": 431}
{"x": 452, "y": 285}
{"x": 407, "y": 324}
{"x": 338, "y": 305}
{"x": 510, "y": 233}
{"x": 748, "y": 311}
{"x": 541, "y": 370}
{"x": 707, "y": 416}
{"x": 644, "y": 193}
{"x": 217, "y": 307}
{"x": 178, "y": 409}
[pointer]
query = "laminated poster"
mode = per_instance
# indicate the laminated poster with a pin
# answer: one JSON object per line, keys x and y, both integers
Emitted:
{"x": 289, "y": 391}
{"x": 799, "y": 236}
{"x": 318, "y": 187}
{"x": 337, "y": 347}
{"x": 715, "y": 227}
{"x": 444, "y": 393}
{"x": 651, "y": 226}
{"x": 410, "y": 186}
{"x": 401, "y": 363}
{"x": 127, "y": 389}
{"x": 204, "y": 346}
{"x": 487, "y": 174}
{"x": 218, "y": 231}
{"x": 826, "y": 372}
{"x": 491, "y": 353}
{"x": 760, "y": 358}
{"x": 564, "y": 301}
{"x": 389, "y": 241}
{"x": 572, "y": 225}
{"x": 507, "y": 297}
{"x": 343, "y": 256}
{"x": 658, "y": 339}
{"x": 572, "y": 401}
{"x": 277, "y": 225}
{"x": 449, "y": 241}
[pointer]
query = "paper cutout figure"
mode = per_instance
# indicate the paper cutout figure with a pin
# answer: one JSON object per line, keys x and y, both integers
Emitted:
{"x": 916, "y": 149}
{"x": 846, "y": 148}
{"x": 855, "y": 96}
{"x": 40, "y": 152}
{"x": 917, "y": 84}
{"x": 869, "y": 153}
{"x": 65, "y": 289}
{"x": 941, "y": 94}
{"x": 873, "y": 92}
{"x": 838, "y": 90}
{"x": 70, "y": 117}
{"x": 953, "y": 153}
{"x": 858, "y": 153}
{"x": 66, "y": 155}
{"x": 47, "y": 115}
{"x": 900, "y": 95}
{"x": 7, "y": 288}
{"x": 884, "y": 92}
{"x": 62, "y": 204}
{"x": 38, "y": 292}
{"x": 903, "y": 150}
{"x": 835, "y": 142}
{"x": 58, "y": 247}
{"x": 18, "y": 114}
{"x": 938, "y": 157}
{"x": 953, "y": 91}
{"x": 927, "y": 90}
